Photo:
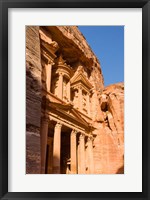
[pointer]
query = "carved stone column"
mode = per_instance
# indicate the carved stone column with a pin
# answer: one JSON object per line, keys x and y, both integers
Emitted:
{"x": 88, "y": 104}
{"x": 57, "y": 148}
{"x": 60, "y": 86}
{"x": 80, "y": 98}
{"x": 68, "y": 90}
{"x": 73, "y": 151}
{"x": 82, "y": 154}
{"x": 44, "y": 135}
{"x": 78, "y": 159}
{"x": 48, "y": 68}
{"x": 90, "y": 155}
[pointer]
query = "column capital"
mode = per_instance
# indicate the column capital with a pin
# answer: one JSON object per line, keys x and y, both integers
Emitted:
{"x": 60, "y": 73}
{"x": 82, "y": 136}
{"x": 74, "y": 132}
{"x": 50, "y": 62}
{"x": 58, "y": 125}
{"x": 79, "y": 87}
{"x": 90, "y": 139}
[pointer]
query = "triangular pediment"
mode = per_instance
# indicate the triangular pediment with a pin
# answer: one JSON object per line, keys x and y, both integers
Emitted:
{"x": 68, "y": 111}
{"x": 80, "y": 77}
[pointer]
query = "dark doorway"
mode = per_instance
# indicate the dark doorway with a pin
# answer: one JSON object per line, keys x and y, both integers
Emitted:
{"x": 65, "y": 150}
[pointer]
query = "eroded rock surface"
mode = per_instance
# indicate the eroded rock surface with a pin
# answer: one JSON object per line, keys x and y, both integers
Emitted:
{"x": 109, "y": 143}
{"x": 33, "y": 99}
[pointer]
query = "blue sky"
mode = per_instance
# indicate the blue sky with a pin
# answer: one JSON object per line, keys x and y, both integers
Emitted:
{"x": 107, "y": 42}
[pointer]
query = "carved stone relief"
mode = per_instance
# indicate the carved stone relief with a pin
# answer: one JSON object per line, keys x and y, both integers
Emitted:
{"x": 65, "y": 98}
{"x": 75, "y": 98}
{"x": 54, "y": 88}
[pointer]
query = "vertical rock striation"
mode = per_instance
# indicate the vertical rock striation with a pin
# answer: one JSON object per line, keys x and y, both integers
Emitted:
{"x": 33, "y": 99}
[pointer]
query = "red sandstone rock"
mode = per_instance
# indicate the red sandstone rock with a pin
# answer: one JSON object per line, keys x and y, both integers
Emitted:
{"x": 109, "y": 143}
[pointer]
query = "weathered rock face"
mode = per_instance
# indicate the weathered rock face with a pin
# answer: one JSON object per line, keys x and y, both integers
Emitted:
{"x": 112, "y": 106}
{"x": 109, "y": 143}
{"x": 33, "y": 99}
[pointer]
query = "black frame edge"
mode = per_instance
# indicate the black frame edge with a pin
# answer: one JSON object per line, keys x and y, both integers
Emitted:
{"x": 4, "y": 194}
{"x": 74, "y": 3}
{"x": 4, "y": 102}
{"x": 1, "y": 181}
{"x": 145, "y": 97}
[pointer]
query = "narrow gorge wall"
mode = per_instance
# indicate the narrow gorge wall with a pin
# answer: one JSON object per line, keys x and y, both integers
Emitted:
{"x": 33, "y": 99}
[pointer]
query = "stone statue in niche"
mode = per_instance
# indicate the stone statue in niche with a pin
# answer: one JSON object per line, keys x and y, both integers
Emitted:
{"x": 75, "y": 99}
{"x": 65, "y": 90}
{"x": 55, "y": 86}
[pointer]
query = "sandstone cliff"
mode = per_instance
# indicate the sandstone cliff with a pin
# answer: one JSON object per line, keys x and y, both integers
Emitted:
{"x": 109, "y": 143}
{"x": 33, "y": 99}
